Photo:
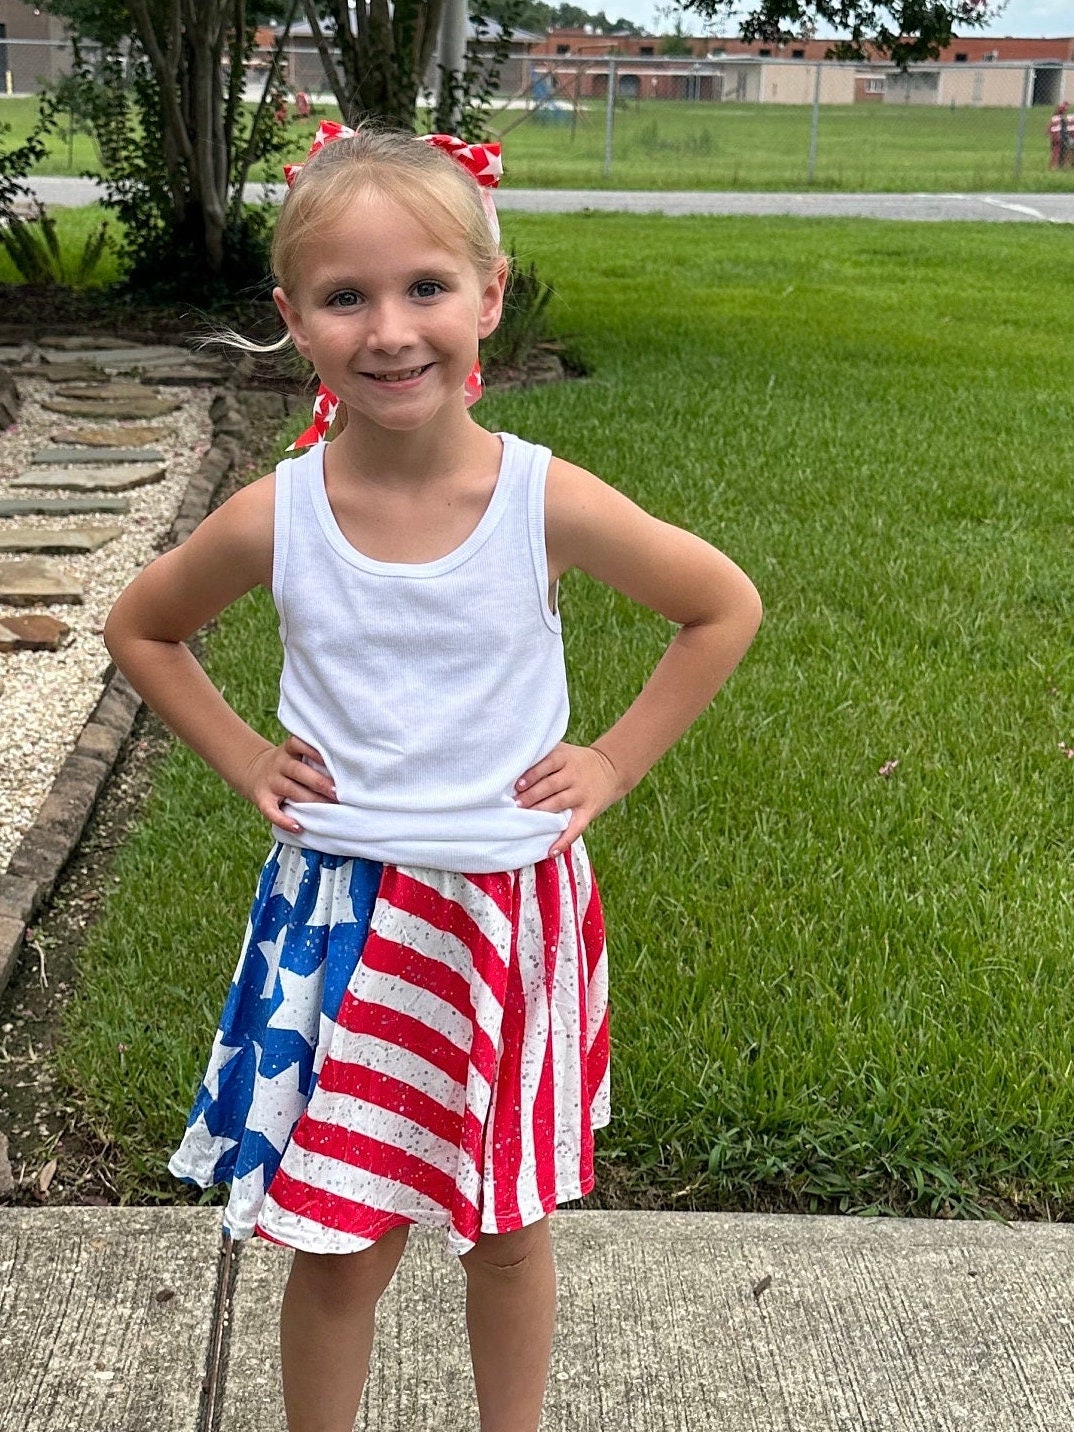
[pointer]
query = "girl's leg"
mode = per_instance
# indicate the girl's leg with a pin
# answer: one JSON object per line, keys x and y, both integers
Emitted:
{"x": 326, "y": 1331}
{"x": 510, "y": 1315}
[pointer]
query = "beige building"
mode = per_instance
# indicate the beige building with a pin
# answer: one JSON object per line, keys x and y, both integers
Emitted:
{"x": 980, "y": 86}
{"x": 33, "y": 48}
{"x": 748, "y": 79}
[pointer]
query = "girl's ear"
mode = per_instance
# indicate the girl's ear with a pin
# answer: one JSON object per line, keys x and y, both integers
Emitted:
{"x": 293, "y": 319}
{"x": 492, "y": 300}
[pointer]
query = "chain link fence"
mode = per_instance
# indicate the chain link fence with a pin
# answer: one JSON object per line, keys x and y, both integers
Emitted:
{"x": 744, "y": 123}
{"x": 662, "y": 122}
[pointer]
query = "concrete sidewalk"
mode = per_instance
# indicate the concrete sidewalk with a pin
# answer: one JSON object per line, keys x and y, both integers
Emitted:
{"x": 127, "y": 1320}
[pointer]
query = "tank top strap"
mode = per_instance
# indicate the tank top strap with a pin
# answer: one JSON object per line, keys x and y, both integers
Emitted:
{"x": 292, "y": 481}
{"x": 525, "y": 469}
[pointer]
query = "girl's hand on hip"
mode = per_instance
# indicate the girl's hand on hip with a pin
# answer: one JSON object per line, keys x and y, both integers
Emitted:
{"x": 279, "y": 773}
{"x": 580, "y": 779}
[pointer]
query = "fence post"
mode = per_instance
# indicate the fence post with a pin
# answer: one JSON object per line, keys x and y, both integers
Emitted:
{"x": 1027, "y": 85}
{"x": 609, "y": 118}
{"x": 814, "y": 126}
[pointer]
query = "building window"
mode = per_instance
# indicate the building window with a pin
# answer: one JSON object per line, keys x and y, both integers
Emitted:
{"x": 961, "y": 57}
{"x": 798, "y": 54}
{"x": 563, "y": 49}
{"x": 646, "y": 50}
{"x": 874, "y": 86}
{"x": 765, "y": 54}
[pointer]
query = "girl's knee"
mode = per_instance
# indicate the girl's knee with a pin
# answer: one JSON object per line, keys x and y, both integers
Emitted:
{"x": 333, "y": 1276}
{"x": 509, "y": 1253}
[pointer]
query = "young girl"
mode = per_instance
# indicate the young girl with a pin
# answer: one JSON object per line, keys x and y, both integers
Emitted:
{"x": 417, "y": 1030}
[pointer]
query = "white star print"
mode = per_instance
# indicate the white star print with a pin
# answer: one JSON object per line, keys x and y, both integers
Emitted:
{"x": 221, "y": 1055}
{"x": 273, "y": 952}
{"x": 244, "y": 1203}
{"x": 275, "y": 1106}
{"x": 333, "y": 905}
{"x": 301, "y": 1004}
{"x": 289, "y": 875}
{"x": 203, "y": 1149}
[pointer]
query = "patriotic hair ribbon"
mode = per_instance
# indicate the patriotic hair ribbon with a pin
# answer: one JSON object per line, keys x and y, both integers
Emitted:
{"x": 483, "y": 163}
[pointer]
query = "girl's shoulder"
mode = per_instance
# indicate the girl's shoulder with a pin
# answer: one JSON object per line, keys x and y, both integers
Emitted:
{"x": 240, "y": 531}
{"x": 579, "y": 506}
{"x": 251, "y": 510}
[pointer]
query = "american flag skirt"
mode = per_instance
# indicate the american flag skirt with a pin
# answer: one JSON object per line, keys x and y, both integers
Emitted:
{"x": 404, "y": 1045}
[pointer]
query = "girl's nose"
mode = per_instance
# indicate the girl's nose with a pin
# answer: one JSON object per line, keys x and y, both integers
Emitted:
{"x": 390, "y": 328}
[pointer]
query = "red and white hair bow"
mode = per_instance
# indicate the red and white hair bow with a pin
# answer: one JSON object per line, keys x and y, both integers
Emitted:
{"x": 484, "y": 163}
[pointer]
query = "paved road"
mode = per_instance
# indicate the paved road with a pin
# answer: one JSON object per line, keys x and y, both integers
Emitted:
{"x": 995, "y": 208}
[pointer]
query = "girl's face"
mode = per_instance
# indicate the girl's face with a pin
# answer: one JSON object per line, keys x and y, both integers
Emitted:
{"x": 389, "y": 316}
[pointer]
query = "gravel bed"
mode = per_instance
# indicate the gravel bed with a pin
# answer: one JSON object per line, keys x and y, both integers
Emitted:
{"x": 46, "y": 697}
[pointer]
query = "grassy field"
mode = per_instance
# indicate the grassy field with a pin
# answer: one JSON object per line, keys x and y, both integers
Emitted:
{"x": 841, "y": 910}
{"x": 672, "y": 145}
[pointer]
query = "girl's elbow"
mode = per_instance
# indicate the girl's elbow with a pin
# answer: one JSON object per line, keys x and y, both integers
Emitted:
{"x": 753, "y": 608}
{"x": 120, "y": 630}
{"x": 744, "y": 604}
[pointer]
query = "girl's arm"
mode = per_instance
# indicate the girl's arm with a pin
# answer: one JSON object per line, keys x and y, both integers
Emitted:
{"x": 715, "y": 605}
{"x": 226, "y": 556}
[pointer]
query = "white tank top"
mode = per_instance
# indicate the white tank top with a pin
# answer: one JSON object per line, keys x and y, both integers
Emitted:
{"x": 427, "y": 687}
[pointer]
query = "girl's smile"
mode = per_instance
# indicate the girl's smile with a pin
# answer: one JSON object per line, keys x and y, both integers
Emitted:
{"x": 400, "y": 377}
{"x": 390, "y": 316}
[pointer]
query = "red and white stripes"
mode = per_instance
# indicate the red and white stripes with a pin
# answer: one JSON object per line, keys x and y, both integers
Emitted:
{"x": 468, "y": 1067}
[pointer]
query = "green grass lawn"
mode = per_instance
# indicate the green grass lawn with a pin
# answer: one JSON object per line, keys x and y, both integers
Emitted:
{"x": 678, "y": 145}
{"x": 831, "y": 987}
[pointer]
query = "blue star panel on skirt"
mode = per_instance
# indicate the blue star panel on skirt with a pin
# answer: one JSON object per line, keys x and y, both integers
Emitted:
{"x": 307, "y": 927}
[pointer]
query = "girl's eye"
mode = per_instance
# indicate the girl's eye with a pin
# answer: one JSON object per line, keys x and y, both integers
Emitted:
{"x": 427, "y": 288}
{"x": 345, "y": 298}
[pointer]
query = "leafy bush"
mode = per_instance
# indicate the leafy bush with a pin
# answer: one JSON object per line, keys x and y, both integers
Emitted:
{"x": 524, "y": 325}
{"x": 165, "y": 246}
{"x": 33, "y": 247}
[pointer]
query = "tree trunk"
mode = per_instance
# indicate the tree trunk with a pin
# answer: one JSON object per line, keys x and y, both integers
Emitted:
{"x": 383, "y": 57}
{"x": 451, "y": 65}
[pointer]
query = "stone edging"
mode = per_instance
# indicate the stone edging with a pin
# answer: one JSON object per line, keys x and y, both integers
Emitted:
{"x": 45, "y": 849}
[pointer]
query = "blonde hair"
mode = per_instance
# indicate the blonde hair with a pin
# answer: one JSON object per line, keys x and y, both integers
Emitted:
{"x": 438, "y": 192}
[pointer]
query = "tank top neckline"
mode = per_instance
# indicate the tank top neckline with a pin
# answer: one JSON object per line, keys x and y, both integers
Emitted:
{"x": 469, "y": 545}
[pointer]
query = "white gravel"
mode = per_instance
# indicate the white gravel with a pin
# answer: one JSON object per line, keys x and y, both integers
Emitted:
{"x": 46, "y": 697}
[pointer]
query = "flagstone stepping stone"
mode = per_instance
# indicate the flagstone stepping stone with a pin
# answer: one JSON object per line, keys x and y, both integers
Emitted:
{"x": 78, "y": 342}
{"x": 32, "y": 633}
{"x": 124, "y": 410}
{"x": 68, "y": 456}
{"x": 66, "y": 373}
{"x": 60, "y": 506}
{"x": 57, "y": 539}
{"x": 92, "y": 479}
{"x": 35, "y": 581}
{"x": 112, "y": 392}
{"x": 121, "y": 357}
{"x": 185, "y": 376}
{"x": 109, "y": 437}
